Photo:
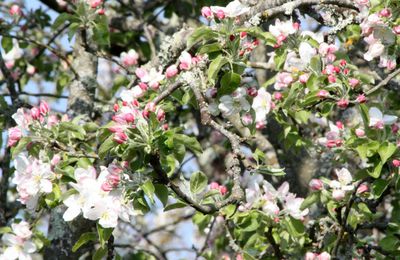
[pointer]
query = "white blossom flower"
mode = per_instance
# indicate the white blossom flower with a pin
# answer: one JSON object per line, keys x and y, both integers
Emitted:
{"x": 233, "y": 104}
{"x": 262, "y": 104}
{"x": 19, "y": 245}
{"x": 378, "y": 119}
{"x": 233, "y": 9}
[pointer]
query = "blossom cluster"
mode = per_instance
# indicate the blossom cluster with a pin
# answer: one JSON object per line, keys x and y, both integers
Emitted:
{"x": 275, "y": 203}
{"x": 99, "y": 198}
{"x": 19, "y": 244}
{"x": 33, "y": 178}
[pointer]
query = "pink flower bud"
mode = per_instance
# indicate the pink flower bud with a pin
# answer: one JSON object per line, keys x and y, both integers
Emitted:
{"x": 396, "y": 163}
{"x": 52, "y": 120}
{"x": 151, "y": 107}
{"x": 316, "y": 184}
{"x": 343, "y": 103}
{"x": 211, "y": 93}
{"x": 171, "y": 71}
{"x": 116, "y": 107}
{"x": 160, "y": 115}
{"x": 14, "y": 135}
{"x": 247, "y": 119}
{"x": 362, "y": 188}
{"x": 278, "y": 96}
{"x": 343, "y": 63}
{"x": 95, "y": 3}
{"x": 396, "y": 29}
{"x": 106, "y": 187}
{"x": 361, "y": 98}
{"x": 120, "y": 137}
{"x": 332, "y": 78}
{"x": 346, "y": 71}
{"x": 360, "y": 132}
{"x": 44, "y": 108}
{"x": 55, "y": 160}
{"x": 220, "y": 14}
{"x": 113, "y": 179}
{"x": 385, "y": 12}
{"x": 223, "y": 190}
{"x": 15, "y": 10}
{"x": 101, "y": 11}
{"x": 339, "y": 125}
{"x": 30, "y": 69}
{"x": 353, "y": 82}
{"x": 260, "y": 125}
{"x": 243, "y": 35}
{"x": 129, "y": 117}
{"x": 214, "y": 185}
{"x": 35, "y": 113}
{"x": 304, "y": 78}
{"x": 296, "y": 25}
{"x": 141, "y": 72}
{"x": 206, "y": 12}
{"x": 322, "y": 93}
{"x": 338, "y": 195}
{"x": 252, "y": 92}
{"x": 395, "y": 128}
{"x": 165, "y": 126}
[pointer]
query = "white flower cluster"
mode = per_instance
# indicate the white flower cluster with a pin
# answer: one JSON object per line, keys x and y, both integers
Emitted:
{"x": 19, "y": 243}
{"x": 98, "y": 198}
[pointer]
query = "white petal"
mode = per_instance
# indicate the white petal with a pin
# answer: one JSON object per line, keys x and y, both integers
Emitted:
{"x": 389, "y": 120}
{"x": 71, "y": 213}
{"x": 29, "y": 247}
{"x": 375, "y": 115}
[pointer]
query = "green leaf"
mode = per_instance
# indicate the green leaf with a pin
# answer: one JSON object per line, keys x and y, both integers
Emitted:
{"x": 198, "y": 182}
{"x": 294, "y": 226}
{"x": 149, "y": 190}
{"x": 229, "y": 83}
{"x": 201, "y": 33}
{"x": 386, "y": 150}
{"x": 189, "y": 142}
{"x": 389, "y": 243}
{"x": 104, "y": 234}
{"x": 7, "y": 44}
{"x": 208, "y": 48}
{"x": 72, "y": 30}
{"x": 176, "y": 205}
{"x": 376, "y": 172}
{"x": 22, "y": 143}
{"x": 280, "y": 58}
{"x": 311, "y": 199}
{"x": 4, "y": 230}
{"x": 106, "y": 146}
{"x": 302, "y": 116}
{"x": 161, "y": 192}
{"x": 83, "y": 239}
{"x": 52, "y": 199}
{"x": 266, "y": 169}
{"x": 379, "y": 186}
{"x": 101, "y": 32}
{"x": 316, "y": 65}
{"x": 100, "y": 253}
{"x": 215, "y": 67}
{"x": 60, "y": 20}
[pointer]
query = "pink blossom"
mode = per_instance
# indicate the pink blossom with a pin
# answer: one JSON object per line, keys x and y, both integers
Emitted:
{"x": 338, "y": 194}
{"x": 360, "y": 132}
{"x": 243, "y": 35}
{"x": 101, "y": 11}
{"x": 283, "y": 80}
{"x": 310, "y": 256}
{"x": 15, "y": 10}
{"x": 343, "y": 103}
{"x": 325, "y": 49}
{"x": 130, "y": 58}
{"x": 30, "y": 69}
{"x": 395, "y": 128}
{"x": 339, "y": 125}
{"x": 278, "y": 96}
{"x": 52, "y": 120}
{"x": 14, "y": 135}
{"x": 324, "y": 256}
{"x": 55, "y": 160}
{"x": 171, "y": 71}
{"x": 160, "y": 114}
{"x": 353, "y": 82}
{"x": 206, "y": 12}
{"x": 316, "y": 184}
{"x": 141, "y": 73}
{"x": 44, "y": 108}
{"x": 396, "y": 163}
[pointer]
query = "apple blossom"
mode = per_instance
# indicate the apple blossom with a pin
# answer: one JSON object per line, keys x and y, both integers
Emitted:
{"x": 342, "y": 103}
{"x": 185, "y": 61}
{"x": 206, "y": 12}
{"x": 129, "y": 58}
{"x": 316, "y": 184}
{"x": 171, "y": 71}
{"x": 232, "y": 10}
{"x": 396, "y": 163}
{"x": 362, "y": 188}
{"x": 261, "y": 105}
{"x": 14, "y": 135}
{"x": 15, "y": 10}
{"x": 360, "y": 132}
{"x": 232, "y": 104}
{"x": 322, "y": 94}
{"x": 379, "y": 120}
{"x": 283, "y": 80}
{"x": 353, "y": 82}
{"x": 18, "y": 244}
